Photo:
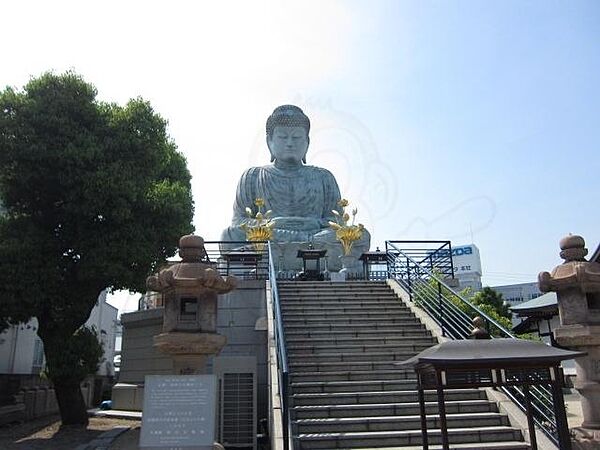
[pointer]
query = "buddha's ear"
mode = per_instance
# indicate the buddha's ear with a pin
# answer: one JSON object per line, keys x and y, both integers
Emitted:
{"x": 269, "y": 147}
{"x": 307, "y": 144}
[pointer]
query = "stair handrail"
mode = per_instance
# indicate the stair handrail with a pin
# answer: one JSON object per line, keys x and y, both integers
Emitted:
{"x": 282, "y": 360}
{"x": 541, "y": 396}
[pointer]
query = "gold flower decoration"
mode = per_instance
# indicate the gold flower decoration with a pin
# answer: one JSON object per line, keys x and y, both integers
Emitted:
{"x": 258, "y": 226}
{"x": 346, "y": 233}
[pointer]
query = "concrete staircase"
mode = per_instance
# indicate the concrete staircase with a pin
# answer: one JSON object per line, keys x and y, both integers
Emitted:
{"x": 342, "y": 341}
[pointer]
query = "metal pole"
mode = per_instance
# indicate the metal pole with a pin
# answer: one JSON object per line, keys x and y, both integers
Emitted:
{"x": 451, "y": 261}
{"x": 530, "y": 422}
{"x": 410, "y": 292}
{"x": 285, "y": 408}
{"x": 387, "y": 259}
{"x": 442, "y": 409}
{"x": 441, "y": 309}
{"x": 423, "y": 412}
{"x": 559, "y": 409}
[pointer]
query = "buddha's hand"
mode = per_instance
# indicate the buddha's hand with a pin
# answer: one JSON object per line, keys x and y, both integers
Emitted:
{"x": 296, "y": 223}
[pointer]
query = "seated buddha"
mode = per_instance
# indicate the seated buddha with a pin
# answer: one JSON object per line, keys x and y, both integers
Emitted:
{"x": 301, "y": 197}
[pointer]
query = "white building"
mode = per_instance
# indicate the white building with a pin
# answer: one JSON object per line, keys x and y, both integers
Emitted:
{"x": 22, "y": 351}
{"x": 516, "y": 294}
{"x": 467, "y": 266}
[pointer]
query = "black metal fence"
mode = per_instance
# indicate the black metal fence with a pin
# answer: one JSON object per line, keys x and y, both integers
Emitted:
{"x": 429, "y": 288}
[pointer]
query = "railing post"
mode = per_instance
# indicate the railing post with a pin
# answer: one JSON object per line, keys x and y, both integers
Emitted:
{"x": 285, "y": 410}
{"x": 410, "y": 291}
{"x": 441, "y": 308}
{"x": 451, "y": 262}
{"x": 558, "y": 401}
{"x": 530, "y": 422}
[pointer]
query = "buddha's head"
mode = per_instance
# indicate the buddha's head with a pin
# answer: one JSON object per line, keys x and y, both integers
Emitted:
{"x": 287, "y": 134}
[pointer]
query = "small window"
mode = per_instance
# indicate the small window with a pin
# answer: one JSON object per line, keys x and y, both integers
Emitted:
{"x": 188, "y": 308}
{"x": 38, "y": 356}
{"x": 593, "y": 300}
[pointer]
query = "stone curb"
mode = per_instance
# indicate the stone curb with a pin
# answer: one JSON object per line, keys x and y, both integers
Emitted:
{"x": 105, "y": 440}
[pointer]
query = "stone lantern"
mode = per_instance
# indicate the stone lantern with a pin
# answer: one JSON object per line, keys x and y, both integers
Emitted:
{"x": 190, "y": 290}
{"x": 577, "y": 286}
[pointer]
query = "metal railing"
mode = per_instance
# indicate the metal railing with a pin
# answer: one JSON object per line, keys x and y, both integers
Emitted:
{"x": 282, "y": 362}
{"x": 436, "y": 255}
{"x": 431, "y": 291}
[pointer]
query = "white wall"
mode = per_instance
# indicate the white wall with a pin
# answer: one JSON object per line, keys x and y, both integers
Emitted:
{"x": 17, "y": 344}
{"x": 17, "y": 347}
{"x": 104, "y": 318}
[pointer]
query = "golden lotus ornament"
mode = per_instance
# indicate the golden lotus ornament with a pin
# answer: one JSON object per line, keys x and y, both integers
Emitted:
{"x": 346, "y": 233}
{"x": 258, "y": 227}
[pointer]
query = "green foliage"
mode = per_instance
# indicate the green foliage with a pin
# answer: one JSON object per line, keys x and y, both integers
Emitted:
{"x": 493, "y": 301}
{"x": 78, "y": 357}
{"x": 488, "y": 301}
{"x": 94, "y": 196}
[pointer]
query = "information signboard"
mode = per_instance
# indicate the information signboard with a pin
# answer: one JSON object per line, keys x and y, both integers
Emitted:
{"x": 179, "y": 412}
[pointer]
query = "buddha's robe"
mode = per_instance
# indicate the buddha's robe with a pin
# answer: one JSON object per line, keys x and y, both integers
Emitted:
{"x": 301, "y": 199}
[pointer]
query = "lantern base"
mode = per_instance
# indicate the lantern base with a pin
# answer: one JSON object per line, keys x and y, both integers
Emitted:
{"x": 189, "y": 351}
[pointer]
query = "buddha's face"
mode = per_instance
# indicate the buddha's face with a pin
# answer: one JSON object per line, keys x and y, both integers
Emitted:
{"x": 288, "y": 144}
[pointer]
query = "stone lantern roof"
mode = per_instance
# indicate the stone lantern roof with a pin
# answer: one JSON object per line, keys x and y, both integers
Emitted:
{"x": 194, "y": 270}
{"x": 576, "y": 271}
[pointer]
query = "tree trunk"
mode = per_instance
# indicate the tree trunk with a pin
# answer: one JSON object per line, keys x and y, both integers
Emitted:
{"x": 65, "y": 380}
{"x": 71, "y": 404}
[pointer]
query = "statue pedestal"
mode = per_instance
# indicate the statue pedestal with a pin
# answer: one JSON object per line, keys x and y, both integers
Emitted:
{"x": 350, "y": 265}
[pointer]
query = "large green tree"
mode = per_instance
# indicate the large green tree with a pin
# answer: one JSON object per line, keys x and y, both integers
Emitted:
{"x": 95, "y": 196}
{"x": 492, "y": 302}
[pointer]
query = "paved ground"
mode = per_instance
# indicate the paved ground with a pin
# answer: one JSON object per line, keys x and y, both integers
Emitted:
{"x": 46, "y": 433}
{"x": 127, "y": 441}
{"x": 574, "y": 415}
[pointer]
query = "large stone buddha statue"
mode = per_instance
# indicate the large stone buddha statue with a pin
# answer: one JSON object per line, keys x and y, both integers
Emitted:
{"x": 300, "y": 196}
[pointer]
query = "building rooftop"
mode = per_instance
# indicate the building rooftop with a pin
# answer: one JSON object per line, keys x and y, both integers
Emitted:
{"x": 543, "y": 304}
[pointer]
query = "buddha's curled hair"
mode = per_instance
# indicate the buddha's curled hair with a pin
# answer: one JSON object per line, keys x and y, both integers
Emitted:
{"x": 287, "y": 116}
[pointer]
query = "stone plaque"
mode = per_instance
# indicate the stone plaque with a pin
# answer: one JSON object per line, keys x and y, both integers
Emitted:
{"x": 179, "y": 412}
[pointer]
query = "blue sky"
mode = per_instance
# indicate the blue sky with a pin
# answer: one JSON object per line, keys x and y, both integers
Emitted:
{"x": 461, "y": 120}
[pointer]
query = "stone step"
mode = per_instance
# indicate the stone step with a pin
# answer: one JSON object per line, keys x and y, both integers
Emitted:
{"x": 405, "y": 437}
{"x": 353, "y": 386}
{"x": 359, "y": 331}
{"x": 334, "y": 287}
{"x": 328, "y": 305}
{"x": 377, "y": 322}
{"x": 348, "y": 398}
{"x": 396, "y": 347}
{"x": 352, "y": 357}
{"x": 352, "y": 284}
{"x": 348, "y": 311}
{"x": 391, "y": 409}
{"x": 380, "y": 339}
{"x": 397, "y": 423}
{"x": 353, "y": 375}
{"x": 506, "y": 445}
{"x": 286, "y": 290}
{"x": 329, "y": 366}
{"x": 379, "y": 333}
{"x": 387, "y": 326}
{"x": 288, "y": 297}
{"x": 369, "y": 314}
